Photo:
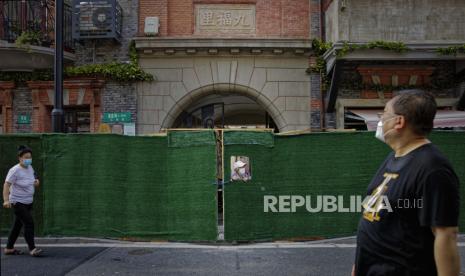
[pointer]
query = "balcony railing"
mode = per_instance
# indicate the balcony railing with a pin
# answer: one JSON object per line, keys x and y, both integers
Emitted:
{"x": 34, "y": 22}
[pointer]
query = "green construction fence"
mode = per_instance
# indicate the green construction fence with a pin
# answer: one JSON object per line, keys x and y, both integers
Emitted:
{"x": 116, "y": 186}
{"x": 163, "y": 188}
{"x": 337, "y": 164}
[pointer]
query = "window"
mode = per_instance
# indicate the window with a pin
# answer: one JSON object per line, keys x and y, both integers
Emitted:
{"x": 77, "y": 119}
{"x": 353, "y": 121}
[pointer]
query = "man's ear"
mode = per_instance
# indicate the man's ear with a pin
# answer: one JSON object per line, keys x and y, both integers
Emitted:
{"x": 400, "y": 122}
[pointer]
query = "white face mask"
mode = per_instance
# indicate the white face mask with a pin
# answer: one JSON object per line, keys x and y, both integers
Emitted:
{"x": 380, "y": 132}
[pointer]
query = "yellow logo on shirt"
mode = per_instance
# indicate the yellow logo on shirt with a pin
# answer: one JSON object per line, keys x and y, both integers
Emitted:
{"x": 373, "y": 204}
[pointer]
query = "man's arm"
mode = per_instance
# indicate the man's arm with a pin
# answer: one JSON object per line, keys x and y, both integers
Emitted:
{"x": 6, "y": 194}
{"x": 445, "y": 251}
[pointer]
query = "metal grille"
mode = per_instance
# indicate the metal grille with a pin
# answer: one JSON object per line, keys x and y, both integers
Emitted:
{"x": 36, "y": 17}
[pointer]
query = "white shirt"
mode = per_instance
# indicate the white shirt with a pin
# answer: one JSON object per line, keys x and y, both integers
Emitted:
{"x": 22, "y": 184}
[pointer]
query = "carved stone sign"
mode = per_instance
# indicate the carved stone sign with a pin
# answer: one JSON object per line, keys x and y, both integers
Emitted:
{"x": 225, "y": 18}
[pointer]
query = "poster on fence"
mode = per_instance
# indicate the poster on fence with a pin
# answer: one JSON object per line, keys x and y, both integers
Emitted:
{"x": 240, "y": 168}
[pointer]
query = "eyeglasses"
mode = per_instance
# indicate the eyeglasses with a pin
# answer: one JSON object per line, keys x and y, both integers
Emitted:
{"x": 381, "y": 114}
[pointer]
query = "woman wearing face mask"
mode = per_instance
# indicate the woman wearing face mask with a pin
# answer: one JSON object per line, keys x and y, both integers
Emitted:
{"x": 240, "y": 172}
{"x": 18, "y": 192}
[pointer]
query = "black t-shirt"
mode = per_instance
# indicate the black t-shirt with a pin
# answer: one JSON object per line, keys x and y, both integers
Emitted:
{"x": 409, "y": 195}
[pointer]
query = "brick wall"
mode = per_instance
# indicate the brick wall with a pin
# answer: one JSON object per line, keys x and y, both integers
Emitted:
{"x": 104, "y": 50}
{"x": 316, "y": 104}
{"x": 180, "y": 17}
{"x": 22, "y": 105}
{"x": 315, "y": 19}
{"x": 118, "y": 97}
{"x": 154, "y": 8}
{"x": 444, "y": 72}
{"x": 274, "y": 18}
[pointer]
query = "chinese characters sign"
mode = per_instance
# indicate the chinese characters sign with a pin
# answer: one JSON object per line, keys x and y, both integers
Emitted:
{"x": 113, "y": 117}
{"x": 229, "y": 19}
{"x": 24, "y": 119}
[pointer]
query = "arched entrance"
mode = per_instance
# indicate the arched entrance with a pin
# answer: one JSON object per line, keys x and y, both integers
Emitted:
{"x": 279, "y": 84}
{"x": 224, "y": 105}
{"x": 225, "y": 111}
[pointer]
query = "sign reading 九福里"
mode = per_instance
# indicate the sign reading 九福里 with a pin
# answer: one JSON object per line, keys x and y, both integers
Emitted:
{"x": 233, "y": 19}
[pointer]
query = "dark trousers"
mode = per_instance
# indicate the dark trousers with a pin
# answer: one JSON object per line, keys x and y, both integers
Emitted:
{"x": 23, "y": 216}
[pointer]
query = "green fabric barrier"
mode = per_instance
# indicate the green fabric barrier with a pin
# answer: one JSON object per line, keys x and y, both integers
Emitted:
{"x": 8, "y": 158}
{"x": 145, "y": 187}
{"x": 116, "y": 186}
{"x": 249, "y": 138}
{"x": 314, "y": 164}
{"x": 136, "y": 187}
{"x": 182, "y": 139}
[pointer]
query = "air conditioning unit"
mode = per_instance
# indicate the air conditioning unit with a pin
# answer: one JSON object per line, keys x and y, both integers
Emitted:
{"x": 152, "y": 24}
{"x": 94, "y": 19}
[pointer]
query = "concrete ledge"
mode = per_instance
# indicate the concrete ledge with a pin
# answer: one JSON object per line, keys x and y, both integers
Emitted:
{"x": 155, "y": 42}
{"x": 209, "y": 46}
{"x": 418, "y": 51}
{"x": 35, "y": 57}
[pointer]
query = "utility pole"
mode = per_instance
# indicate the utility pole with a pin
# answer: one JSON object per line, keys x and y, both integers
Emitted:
{"x": 57, "y": 112}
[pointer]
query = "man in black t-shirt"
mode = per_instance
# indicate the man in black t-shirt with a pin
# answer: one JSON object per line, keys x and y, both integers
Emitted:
{"x": 410, "y": 215}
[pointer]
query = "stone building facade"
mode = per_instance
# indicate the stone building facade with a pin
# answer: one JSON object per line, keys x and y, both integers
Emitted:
{"x": 88, "y": 97}
{"x": 245, "y": 63}
{"x": 365, "y": 79}
{"x": 250, "y": 57}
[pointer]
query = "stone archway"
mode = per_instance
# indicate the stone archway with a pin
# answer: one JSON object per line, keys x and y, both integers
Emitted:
{"x": 223, "y": 88}
{"x": 279, "y": 84}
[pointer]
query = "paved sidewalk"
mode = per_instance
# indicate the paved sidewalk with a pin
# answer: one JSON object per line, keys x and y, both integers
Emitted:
{"x": 81, "y": 256}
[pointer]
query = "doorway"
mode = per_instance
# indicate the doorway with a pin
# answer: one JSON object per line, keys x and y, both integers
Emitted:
{"x": 77, "y": 119}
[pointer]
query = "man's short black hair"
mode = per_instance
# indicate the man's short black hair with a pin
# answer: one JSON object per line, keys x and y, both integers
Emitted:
{"x": 418, "y": 107}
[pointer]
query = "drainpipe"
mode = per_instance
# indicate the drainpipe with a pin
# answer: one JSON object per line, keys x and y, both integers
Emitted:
{"x": 1, "y": 20}
{"x": 23, "y": 14}
{"x": 43, "y": 20}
